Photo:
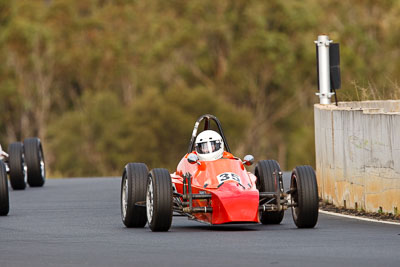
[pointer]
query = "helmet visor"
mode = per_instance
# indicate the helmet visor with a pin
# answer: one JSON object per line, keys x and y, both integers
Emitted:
{"x": 208, "y": 147}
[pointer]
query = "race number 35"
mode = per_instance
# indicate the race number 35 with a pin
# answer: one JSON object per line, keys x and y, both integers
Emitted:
{"x": 226, "y": 176}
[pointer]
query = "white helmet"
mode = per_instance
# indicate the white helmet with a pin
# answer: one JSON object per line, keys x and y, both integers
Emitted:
{"x": 209, "y": 145}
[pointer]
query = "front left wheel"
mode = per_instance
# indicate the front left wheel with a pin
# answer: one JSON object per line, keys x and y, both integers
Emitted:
{"x": 159, "y": 200}
{"x": 17, "y": 166}
{"x": 304, "y": 196}
{"x": 4, "y": 201}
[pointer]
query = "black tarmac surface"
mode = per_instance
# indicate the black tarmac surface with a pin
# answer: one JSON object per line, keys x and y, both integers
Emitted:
{"x": 76, "y": 222}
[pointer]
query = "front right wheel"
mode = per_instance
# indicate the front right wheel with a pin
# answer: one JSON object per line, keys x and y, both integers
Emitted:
{"x": 4, "y": 201}
{"x": 304, "y": 196}
{"x": 159, "y": 200}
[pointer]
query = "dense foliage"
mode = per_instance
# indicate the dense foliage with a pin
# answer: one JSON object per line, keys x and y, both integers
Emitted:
{"x": 105, "y": 82}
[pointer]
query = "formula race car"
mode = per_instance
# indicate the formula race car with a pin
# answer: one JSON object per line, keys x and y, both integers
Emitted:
{"x": 24, "y": 162}
{"x": 212, "y": 186}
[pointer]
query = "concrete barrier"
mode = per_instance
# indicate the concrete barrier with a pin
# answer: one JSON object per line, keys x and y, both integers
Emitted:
{"x": 358, "y": 154}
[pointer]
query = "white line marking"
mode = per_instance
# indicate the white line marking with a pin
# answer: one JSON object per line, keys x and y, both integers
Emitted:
{"x": 357, "y": 218}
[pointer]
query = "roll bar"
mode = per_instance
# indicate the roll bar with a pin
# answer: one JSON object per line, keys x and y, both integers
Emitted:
{"x": 207, "y": 118}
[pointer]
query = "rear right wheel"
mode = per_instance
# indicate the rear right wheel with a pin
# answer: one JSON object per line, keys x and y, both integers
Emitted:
{"x": 133, "y": 195}
{"x": 17, "y": 166}
{"x": 4, "y": 201}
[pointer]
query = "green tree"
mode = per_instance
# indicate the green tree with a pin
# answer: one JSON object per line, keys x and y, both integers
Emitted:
{"x": 104, "y": 82}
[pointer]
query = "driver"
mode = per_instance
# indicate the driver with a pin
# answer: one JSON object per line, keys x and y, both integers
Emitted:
{"x": 209, "y": 145}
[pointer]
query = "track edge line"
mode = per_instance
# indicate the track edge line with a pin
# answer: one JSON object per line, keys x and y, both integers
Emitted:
{"x": 357, "y": 218}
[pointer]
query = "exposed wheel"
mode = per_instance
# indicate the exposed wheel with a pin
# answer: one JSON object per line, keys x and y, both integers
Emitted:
{"x": 266, "y": 183}
{"x": 305, "y": 197}
{"x": 159, "y": 200}
{"x": 4, "y": 202}
{"x": 133, "y": 190}
{"x": 34, "y": 160}
{"x": 17, "y": 166}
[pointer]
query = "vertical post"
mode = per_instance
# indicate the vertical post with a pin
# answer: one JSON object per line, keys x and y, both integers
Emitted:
{"x": 325, "y": 93}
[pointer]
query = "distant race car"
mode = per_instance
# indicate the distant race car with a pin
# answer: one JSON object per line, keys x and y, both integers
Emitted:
{"x": 212, "y": 186}
{"x": 24, "y": 162}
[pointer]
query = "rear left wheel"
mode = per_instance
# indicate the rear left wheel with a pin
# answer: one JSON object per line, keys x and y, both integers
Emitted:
{"x": 34, "y": 160}
{"x": 17, "y": 166}
{"x": 159, "y": 200}
{"x": 4, "y": 201}
{"x": 264, "y": 172}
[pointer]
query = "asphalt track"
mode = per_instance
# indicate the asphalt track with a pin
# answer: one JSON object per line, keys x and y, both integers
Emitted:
{"x": 76, "y": 222}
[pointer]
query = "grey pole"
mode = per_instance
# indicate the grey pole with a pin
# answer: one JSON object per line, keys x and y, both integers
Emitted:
{"x": 323, "y": 69}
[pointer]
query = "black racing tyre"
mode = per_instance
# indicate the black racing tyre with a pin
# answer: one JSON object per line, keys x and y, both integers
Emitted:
{"x": 264, "y": 172}
{"x": 17, "y": 166}
{"x": 159, "y": 200}
{"x": 34, "y": 160}
{"x": 303, "y": 183}
{"x": 4, "y": 201}
{"x": 133, "y": 190}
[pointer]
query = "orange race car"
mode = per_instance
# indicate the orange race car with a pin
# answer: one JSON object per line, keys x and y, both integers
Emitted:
{"x": 211, "y": 185}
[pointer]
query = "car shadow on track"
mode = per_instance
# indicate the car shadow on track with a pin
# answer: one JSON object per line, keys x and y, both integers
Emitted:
{"x": 236, "y": 228}
{"x": 219, "y": 228}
